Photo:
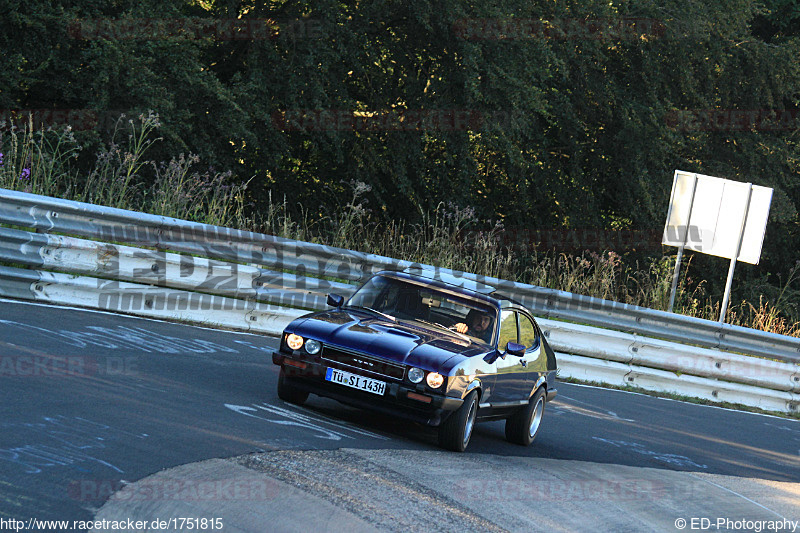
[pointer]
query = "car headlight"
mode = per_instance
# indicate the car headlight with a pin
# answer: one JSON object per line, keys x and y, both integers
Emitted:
{"x": 435, "y": 380}
{"x": 313, "y": 347}
{"x": 295, "y": 342}
{"x": 416, "y": 375}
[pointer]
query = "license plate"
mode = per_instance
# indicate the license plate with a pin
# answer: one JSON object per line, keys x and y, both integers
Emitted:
{"x": 356, "y": 382}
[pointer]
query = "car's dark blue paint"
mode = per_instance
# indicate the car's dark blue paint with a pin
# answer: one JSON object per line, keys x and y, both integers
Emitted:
{"x": 400, "y": 342}
{"x": 384, "y": 345}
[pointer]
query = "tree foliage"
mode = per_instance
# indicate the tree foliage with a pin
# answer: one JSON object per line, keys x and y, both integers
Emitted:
{"x": 539, "y": 114}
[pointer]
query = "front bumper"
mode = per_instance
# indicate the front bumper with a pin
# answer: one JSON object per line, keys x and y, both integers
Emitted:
{"x": 396, "y": 401}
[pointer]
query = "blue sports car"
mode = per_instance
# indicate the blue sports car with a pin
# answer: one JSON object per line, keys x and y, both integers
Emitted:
{"x": 427, "y": 347}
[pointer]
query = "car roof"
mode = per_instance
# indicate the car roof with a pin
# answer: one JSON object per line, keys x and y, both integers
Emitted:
{"x": 464, "y": 286}
{"x": 450, "y": 279}
{"x": 507, "y": 300}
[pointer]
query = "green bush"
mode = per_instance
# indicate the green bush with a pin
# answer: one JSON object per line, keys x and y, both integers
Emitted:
{"x": 40, "y": 162}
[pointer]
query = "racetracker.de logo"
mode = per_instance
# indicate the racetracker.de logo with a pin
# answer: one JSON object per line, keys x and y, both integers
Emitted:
{"x": 395, "y": 120}
{"x": 49, "y": 366}
{"x": 561, "y": 490}
{"x": 560, "y": 29}
{"x": 210, "y": 490}
{"x": 193, "y": 28}
{"x": 753, "y": 120}
{"x": 42, "y": 119}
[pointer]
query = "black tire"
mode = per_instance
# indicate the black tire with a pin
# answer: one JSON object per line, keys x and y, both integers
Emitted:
{"x": 288, "y": 392}
{"x": 455, "y": 432}
{"x": 523, "y": 426}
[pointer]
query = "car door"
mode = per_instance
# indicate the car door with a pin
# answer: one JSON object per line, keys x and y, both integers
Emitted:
{"x": 511, "y": 383}
{"x": 535, "y": 358}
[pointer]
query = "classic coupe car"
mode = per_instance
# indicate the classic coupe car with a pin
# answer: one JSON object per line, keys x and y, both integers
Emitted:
{"x": 430, "y": 348}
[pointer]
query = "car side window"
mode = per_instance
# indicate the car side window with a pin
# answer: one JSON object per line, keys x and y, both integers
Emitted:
{"x": 508, "y": 329}
{"x": 527, "y": 332}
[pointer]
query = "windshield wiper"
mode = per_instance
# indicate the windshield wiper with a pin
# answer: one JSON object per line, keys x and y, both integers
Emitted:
{"x": 390, "y": 317}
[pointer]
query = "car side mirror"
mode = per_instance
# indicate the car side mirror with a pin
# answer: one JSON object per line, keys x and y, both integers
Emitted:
{"x": 335, "y": 300}
{"x": 515, "y": 349}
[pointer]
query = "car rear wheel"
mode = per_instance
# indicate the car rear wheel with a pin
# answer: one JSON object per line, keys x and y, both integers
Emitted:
{"x": 523, "y": 426}
{"x": 455, "y": 432}
{"x": 288, "y": 392}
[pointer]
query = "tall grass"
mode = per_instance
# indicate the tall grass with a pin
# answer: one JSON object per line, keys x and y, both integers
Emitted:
{"x": 443, "y": 239}
{"x": 37, "y": 160}
{"x": 115, "y": 180}
{"x": 42, "y": 161}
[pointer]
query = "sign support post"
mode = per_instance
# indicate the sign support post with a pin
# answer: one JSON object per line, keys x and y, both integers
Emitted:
{"x": 725, "y": 300}
{"x": 676, "y": 273}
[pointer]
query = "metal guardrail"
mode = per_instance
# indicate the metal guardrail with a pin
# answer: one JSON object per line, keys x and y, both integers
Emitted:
{"x": 144, "y": 300}
{"x": 188, "y": 270}
{"x": 90, "y": 258}
{"x": 623, "y": 375}
{"x": 52, "y": 215}
{"x": 679, "y": 359}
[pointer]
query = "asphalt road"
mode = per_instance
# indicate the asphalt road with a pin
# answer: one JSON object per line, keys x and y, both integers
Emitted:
{"x": 93, "y": 400}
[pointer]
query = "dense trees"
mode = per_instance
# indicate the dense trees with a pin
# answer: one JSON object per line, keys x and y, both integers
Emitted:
{"x": 540, "y": 114}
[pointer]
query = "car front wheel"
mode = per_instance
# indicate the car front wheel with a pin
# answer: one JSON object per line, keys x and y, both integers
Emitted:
{"x": 455, "y": 432}
{"x": 288, "y": 392}
{"x": 523, "y": 426}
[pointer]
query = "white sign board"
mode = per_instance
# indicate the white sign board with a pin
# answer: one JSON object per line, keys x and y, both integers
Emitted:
{"x": 710, "y": 215}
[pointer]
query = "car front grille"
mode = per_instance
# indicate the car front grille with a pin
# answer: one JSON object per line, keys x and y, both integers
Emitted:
{"x": 363, "y": 362}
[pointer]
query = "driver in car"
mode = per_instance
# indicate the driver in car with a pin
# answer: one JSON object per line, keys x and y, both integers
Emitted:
{"x": 477, "y": 325}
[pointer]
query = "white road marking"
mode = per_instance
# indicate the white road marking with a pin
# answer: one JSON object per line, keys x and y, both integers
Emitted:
{"x": 741, "y": 496}
{"x": 62, "y": 441}
{"x": 304, "y": 421}
{"x": 608, "y": 415}
{"x": 122, "y": 337}
{"x": 346, "y": 425}
{"x": 669, "y": 458}
{"x": 795, "y": 431}
{"x": 678, "y": 401}
{"x": 134, "y": 317}
{"x": 253, "y": 347}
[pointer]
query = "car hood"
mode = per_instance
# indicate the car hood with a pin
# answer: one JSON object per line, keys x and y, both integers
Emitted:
{"x": 410, "y": 343}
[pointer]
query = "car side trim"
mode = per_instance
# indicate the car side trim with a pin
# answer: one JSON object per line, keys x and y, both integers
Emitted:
{"x": 505, "y": 404}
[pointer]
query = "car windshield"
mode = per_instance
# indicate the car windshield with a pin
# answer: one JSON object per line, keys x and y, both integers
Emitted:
{"x": 408, "y": 301}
